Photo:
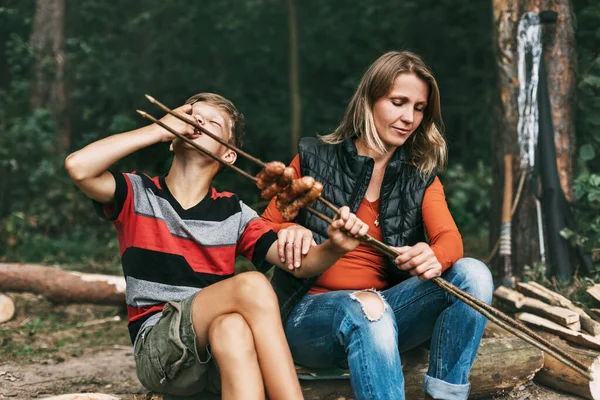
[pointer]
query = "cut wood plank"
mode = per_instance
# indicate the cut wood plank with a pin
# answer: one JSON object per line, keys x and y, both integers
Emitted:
{"x": 534, "y": 291}
{"x": 560, "y": 315}
{"x": 62, "y": 286}
{"x": 594, "y": 291}
{"x": 510, "y": 296}
{"x": 538, "y": 291}
{"x": 572, "y": 336}
{"x": 557, "y": 376}
{"x": 555, "y": 298}
{"x": 596, "y": 313}
{"x": 7, "y": 308}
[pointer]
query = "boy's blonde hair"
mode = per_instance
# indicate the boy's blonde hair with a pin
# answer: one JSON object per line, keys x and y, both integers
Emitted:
{"x": 426, "y": 146}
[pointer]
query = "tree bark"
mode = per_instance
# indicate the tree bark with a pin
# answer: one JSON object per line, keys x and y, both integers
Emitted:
{"x": 294, "y": 80}
{"x": 502, "y": 364}
{"x": 555, "y": 375}
{"x": 559, "y": 56}
{"x": 47, "y": 43}
{"x": 62, "y": 286}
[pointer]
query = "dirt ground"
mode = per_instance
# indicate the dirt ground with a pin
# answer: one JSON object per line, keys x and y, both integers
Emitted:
{"x": 48, "y": 350}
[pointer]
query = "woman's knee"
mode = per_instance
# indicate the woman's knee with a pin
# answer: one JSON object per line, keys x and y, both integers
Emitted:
{"x": 230, "y": 337}
{"x": 474, "y": 277}
{"x": 372, "y": 304}
{"x": 255, "y": 293}
{"x": 374, "y": 320}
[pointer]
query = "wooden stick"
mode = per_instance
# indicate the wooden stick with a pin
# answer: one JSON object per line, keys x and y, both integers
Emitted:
{"x": 505, "y": 227}
{"x": 241, "y": 152}
{"x": 483, "y": 308}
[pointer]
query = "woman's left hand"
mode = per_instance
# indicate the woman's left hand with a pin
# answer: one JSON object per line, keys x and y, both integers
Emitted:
{"x": 293, "y": 244}
{"x": 419, "y": 260}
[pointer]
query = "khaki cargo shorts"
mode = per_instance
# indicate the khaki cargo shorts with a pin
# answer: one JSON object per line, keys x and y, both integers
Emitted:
{"x": 167, "y": 359}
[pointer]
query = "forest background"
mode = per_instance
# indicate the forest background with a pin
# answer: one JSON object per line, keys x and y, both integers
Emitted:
{"x": 290, "y": 67}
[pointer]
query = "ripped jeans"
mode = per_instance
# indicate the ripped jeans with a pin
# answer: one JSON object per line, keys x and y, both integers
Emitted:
{"x": 327, "y": 329}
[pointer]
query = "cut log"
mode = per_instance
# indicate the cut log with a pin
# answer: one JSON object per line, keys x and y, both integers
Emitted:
{"x": 510, "y": 296}
{"x": 562, "y": 316}
{"x": 557, "y": 376}
{"x": 572, "y": 336}
{"x": 536, "y": 290}
{"x": 7, "y": 308}
{"x": 62, "y": 286}
{"x": 83, "y": 396}
{"x": 594, "y": 291}
{"x": 502, "y": 364}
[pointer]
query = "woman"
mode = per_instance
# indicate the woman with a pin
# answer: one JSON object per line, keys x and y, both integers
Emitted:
{"x": 382, "y": 162}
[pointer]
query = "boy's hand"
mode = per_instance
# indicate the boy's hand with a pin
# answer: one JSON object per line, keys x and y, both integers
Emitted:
{"x": 293, "y": 244}
{"x": 176, "y": 124}
{"x": 419, "y": 260}
{"x": 352, "y": 227}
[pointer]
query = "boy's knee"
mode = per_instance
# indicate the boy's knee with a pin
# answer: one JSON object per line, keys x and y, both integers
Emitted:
{"x": 253, "y": 290}
{"x": 371, "y": 304}
{"x": 229, "y": 335}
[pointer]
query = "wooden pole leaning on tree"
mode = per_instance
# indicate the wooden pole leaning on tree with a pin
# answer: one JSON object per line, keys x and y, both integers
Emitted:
{"x": 505, "y": 227}
{"x": 494, "y": 315}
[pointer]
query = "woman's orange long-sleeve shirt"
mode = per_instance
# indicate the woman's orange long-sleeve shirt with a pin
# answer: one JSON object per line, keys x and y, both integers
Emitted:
{"x": 364, "y": 267}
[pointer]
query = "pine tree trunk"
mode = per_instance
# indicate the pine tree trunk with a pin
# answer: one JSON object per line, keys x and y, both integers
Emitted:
{"x": 294, "y": 79}
{"x": 48, "y": 89}
{"x": 558, "y": 51}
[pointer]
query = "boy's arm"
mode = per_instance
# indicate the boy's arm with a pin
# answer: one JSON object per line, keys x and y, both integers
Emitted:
{"x": 88, "y": 167}
{"x": 323, "y": 256}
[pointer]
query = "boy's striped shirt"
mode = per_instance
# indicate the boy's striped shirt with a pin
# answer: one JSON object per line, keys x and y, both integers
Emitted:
{"x": 169, "y": 253}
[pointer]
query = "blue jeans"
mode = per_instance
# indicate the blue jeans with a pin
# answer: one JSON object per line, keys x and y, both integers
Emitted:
{"x": 327, "y": 329}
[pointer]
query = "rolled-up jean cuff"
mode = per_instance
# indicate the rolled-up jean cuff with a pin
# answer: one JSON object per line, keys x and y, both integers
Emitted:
{"x": 438, "y": 389}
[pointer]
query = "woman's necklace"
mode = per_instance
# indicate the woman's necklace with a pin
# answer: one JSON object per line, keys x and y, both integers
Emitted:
{"x": 376, "y": 213}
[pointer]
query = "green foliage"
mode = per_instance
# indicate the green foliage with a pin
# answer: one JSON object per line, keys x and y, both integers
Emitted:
{"x": 587, "y": 207}
{"x": 588, "y": 88}
{"x": 468, "y": 197}
{"x": 117, "y": 51}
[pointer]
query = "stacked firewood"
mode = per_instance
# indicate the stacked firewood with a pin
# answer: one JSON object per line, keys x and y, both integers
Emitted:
{"x": 560, "y": 320}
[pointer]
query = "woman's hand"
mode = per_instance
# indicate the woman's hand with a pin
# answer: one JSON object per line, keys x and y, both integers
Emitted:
{"x": 345, "y": 230}
{"x": 419, "y": 260}
{"x": 293, "y": 244}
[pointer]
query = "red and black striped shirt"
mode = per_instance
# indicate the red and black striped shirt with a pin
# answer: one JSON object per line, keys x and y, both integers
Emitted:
{"x": 168, "y": 253}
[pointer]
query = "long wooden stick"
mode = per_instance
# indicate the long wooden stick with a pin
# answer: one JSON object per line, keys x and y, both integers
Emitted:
{"x": 505, "y": 227}
{"x": 493, "y": 314}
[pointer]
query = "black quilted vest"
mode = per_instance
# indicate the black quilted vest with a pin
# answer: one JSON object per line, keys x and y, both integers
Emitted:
{"x": 345, "y": 176}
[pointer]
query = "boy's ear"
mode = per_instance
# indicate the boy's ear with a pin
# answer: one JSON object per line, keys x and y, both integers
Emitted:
{"x": 171, "y": 146}
{"x": 230, "y": 156}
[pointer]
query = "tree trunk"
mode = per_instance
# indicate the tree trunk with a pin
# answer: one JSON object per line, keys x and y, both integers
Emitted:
{"x": 62, "y": 286}
{"x": 558, "y": 51}
{"x": 47, "y": 43}
{"x": 294, "y": 80}
{"x": 502, "y": 364}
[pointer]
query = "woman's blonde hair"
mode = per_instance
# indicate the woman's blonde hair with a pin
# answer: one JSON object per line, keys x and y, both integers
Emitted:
{"x": 426, "y": 147}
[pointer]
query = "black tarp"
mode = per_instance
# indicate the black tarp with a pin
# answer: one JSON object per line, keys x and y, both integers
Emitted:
{"x": 555, "y": 207}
